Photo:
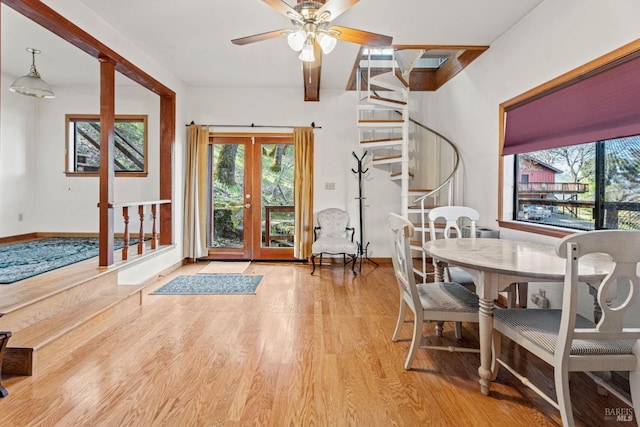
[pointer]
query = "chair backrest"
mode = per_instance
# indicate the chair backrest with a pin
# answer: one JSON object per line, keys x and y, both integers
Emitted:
{"x": 333, "y": 222}
{"x": 623, "y": 247}
{"x": 452, "y": 216}
{"x": 401, "y": 233}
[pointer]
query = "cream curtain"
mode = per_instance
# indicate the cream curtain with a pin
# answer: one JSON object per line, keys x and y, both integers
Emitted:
{"x": 303, "y": 191}
{"x": 195, "y": 211}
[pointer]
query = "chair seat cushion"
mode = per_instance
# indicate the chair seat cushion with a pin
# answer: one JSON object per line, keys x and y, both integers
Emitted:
{"x": 333, "y": 245}
{"x": 541, "y": 327}
{"x": 447, "y": 296}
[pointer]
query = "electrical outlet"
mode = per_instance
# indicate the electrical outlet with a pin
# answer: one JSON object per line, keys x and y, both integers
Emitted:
{"x": 329, "y": 185}
{"x": 20, "y": 217}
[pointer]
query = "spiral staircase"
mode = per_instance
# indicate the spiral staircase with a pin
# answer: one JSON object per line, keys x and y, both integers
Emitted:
{"x": 421, "y": 161}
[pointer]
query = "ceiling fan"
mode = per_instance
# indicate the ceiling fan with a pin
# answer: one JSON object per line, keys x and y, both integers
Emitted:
{"x": 314, "y": 35}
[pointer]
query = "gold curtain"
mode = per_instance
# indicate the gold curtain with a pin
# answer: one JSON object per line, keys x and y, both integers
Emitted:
{"x": 303, "y": 191}
{"x": 195, "y": 203}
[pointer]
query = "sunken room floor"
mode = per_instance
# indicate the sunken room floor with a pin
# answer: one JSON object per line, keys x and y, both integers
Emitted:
{"x": 305, "y": 350}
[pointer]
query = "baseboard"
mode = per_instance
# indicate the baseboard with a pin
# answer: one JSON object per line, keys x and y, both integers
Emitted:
{"x": 18, "y": 238}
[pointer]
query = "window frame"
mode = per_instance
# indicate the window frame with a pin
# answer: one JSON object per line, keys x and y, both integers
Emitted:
{"x": 506, "y": 194}
{"x": 70, "y": 151}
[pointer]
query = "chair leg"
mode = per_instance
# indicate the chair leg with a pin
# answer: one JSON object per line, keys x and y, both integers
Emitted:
{"x": 564, "y": 398}
{"x": 457, "y": 327}
{"x": 415, "y": 341}
{"x": 402, "y": 313}
{"x": 313, "y": 263}
{"x": 4, "y": 338}
{"x": 353, "y": 265}
{"x": 634, "y": 380}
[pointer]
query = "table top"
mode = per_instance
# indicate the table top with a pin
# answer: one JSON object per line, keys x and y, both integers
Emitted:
{"x": 504, "y": 256}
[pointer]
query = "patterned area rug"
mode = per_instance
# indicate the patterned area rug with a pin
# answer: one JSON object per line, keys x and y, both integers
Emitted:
{"x": 211, "y": 284}
{"x": 19, "y": 261}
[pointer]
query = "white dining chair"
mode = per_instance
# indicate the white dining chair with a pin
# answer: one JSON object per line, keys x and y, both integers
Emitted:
{"x": 453, "y": 216}
{"x": 570, "y": 342}
{"x": 429, "y": 302}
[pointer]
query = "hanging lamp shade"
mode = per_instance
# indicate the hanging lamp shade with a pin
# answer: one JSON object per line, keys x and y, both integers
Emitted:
{"x": 32, "y": 84}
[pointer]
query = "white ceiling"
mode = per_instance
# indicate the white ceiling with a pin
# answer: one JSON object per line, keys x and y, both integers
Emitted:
{"x": 191, "y": 38}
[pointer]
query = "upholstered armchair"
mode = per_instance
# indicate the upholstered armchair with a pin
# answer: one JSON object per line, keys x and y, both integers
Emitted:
{"x": 332, "y": 236}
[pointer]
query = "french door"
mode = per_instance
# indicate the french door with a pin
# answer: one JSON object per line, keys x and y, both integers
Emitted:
{"x": 251, "y": 210}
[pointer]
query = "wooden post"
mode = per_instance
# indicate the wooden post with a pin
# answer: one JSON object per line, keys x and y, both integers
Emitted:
{"x": 167, "y": 138}
{"x": 107, "y": 173}
{"x": 141, "y": 234}
{"x": 154, "y": 233}
{"x": 125, "y": 248}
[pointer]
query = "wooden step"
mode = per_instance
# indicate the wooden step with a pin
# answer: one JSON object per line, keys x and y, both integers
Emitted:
{"x": 387, "y": 101}
{"x": 398, "y": 175}
{"x": 372, "y": 123}
{"x": 386, "y": 160}
{"x": 420, "y": 190}
{"x": 28, "y": 311}
{"x": 393, "y": 140}
{"x": 39, "y": 345}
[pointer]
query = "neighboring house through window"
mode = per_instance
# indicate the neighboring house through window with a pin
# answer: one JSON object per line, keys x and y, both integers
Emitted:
{"x": 83, "y": 145}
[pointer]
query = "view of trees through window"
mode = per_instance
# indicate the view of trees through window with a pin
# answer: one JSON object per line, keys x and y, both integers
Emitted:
{"x": 587, "y": 186}
{"x": 275, "y": 164}
{"x": 84, "y": 144}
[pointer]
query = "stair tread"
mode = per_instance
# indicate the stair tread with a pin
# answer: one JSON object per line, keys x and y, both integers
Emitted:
{"x": 418, "y": 208}
{"x": 47, "y": 330}
{"x": 368, "y": 141}
{"x": 381, "y": 121}
{"x": 420, "y": 190}
{"x": 393, "y": 101}
{"x": 397, "y": 174}
{"x": 398, "y": 156}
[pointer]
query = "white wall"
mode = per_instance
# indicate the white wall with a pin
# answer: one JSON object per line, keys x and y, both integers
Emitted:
{"x": 334, "y": 144}
{"x": 17, "y": 161}
{"x": 69, "y": 203}
{"x": 558, "y": 36}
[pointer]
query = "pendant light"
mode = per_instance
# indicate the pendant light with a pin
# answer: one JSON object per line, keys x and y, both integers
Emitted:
{"x": 32, "y": 84}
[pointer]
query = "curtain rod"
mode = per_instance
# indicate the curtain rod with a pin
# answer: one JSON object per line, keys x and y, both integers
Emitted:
{"x": 313, "y": 125}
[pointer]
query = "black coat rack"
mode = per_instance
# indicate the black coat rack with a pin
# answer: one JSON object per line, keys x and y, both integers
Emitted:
{"x": 362, "y": 248}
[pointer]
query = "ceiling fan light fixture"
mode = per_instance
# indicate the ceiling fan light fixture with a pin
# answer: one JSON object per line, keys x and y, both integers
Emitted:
{"x": 296, "y": 40}
{"x": 32, "y": 84}
{"x": 306, "y": 54}
{"x": 326, "y": 42}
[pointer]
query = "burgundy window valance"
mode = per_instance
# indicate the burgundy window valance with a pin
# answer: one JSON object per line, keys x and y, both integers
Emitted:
{"x": 604, "y": 104}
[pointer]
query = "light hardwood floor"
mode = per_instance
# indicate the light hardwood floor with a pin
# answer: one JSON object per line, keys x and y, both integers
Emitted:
{"x": 305, "y": 350}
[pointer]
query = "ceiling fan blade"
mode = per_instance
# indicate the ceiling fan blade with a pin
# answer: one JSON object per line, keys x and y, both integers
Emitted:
{"x": 335, "y": 8}
{"x": 260, "y": 37}
{"x": 360, "y": 37}
{"x": 284, "y": 9}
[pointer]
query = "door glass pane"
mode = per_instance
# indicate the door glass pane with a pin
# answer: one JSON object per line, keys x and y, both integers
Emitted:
{"x": 277, "y": 170}
{"x": 228, "y": 196}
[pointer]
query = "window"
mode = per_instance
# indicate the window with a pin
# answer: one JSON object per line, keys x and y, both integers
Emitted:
{"x": 83, "y": 145}
{"x": 586, "y": 187}
{"x": 576, "y": 139}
